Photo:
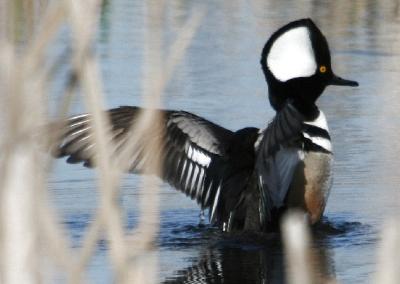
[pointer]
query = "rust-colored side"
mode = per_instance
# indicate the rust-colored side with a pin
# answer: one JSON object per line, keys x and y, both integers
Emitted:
{"x": 311, "y": 184}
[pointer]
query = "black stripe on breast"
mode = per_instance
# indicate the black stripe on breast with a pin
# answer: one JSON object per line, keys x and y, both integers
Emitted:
{"x": 316, "y": 131}
{"x": 309, "y": 146}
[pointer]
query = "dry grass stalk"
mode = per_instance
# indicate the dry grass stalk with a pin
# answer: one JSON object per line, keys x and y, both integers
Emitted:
{"x": 296, "y": 242}
{"x": 109, "y": 215}
{"x": 83, "y": 20}
{"x": 388, "y": 269}
{"x": 305, "y": 263}
{"x": 155, "y": 81}
{"x": 150, "y": 120}
{"x": 19, "y": 176}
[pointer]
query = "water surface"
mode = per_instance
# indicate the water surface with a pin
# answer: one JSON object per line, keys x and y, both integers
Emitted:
{"x": 220, "y": 79}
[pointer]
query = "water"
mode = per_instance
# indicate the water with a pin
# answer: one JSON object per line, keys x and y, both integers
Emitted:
{"x": 220, "y": 79}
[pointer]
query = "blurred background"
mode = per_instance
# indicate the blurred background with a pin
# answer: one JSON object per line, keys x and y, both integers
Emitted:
{"x": 219, "y": 77}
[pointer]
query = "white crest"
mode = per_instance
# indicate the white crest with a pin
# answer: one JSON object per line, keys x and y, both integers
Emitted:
{"x": 292, "y": 55}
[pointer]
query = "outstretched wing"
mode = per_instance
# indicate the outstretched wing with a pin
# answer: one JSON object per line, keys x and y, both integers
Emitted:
{"x": 190, "y": 146}
{"x": 279, "y": 153}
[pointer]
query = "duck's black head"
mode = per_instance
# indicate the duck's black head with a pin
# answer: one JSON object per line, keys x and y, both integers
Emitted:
{"x": 297, "y": 65}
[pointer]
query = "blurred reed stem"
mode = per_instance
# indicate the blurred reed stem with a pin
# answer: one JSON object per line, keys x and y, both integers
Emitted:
{"x": 296, "y": 242}
{"x": 388, "y": 269}
{"x": 26, "y": 33}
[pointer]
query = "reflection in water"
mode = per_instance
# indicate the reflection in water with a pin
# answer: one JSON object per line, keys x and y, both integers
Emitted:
{"x": 245, "y": 258}
{"x": 234, "y": 265}
{"x": 260, "y": 259}
{"x": 220, "y": 79}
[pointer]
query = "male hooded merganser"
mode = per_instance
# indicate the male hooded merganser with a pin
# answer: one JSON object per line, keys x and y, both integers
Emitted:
{"x": 249, "y": 177}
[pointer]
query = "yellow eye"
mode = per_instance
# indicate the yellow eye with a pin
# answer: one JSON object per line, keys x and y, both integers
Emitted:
{"x": 322, "y": 69}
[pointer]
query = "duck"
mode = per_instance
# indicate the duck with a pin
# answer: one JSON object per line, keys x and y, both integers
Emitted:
{"x": 247, "y": 179}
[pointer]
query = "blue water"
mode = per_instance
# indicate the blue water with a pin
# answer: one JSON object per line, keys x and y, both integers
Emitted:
{"x": 220, "y": 79}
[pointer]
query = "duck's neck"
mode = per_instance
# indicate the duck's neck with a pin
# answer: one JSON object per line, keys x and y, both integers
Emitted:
{"x": 304, "y": 101}
{"x": 309, "y": 110}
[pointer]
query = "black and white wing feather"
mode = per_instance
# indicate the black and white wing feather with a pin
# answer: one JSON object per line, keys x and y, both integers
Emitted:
{"x": 192, "y": 147}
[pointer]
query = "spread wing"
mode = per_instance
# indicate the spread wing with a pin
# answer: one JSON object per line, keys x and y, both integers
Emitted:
{"x": 191, "y": 148}
{"x": 279, "y": 153}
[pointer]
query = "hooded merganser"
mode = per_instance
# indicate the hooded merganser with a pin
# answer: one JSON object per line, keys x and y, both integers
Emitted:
{"x": 249, "y": 177}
